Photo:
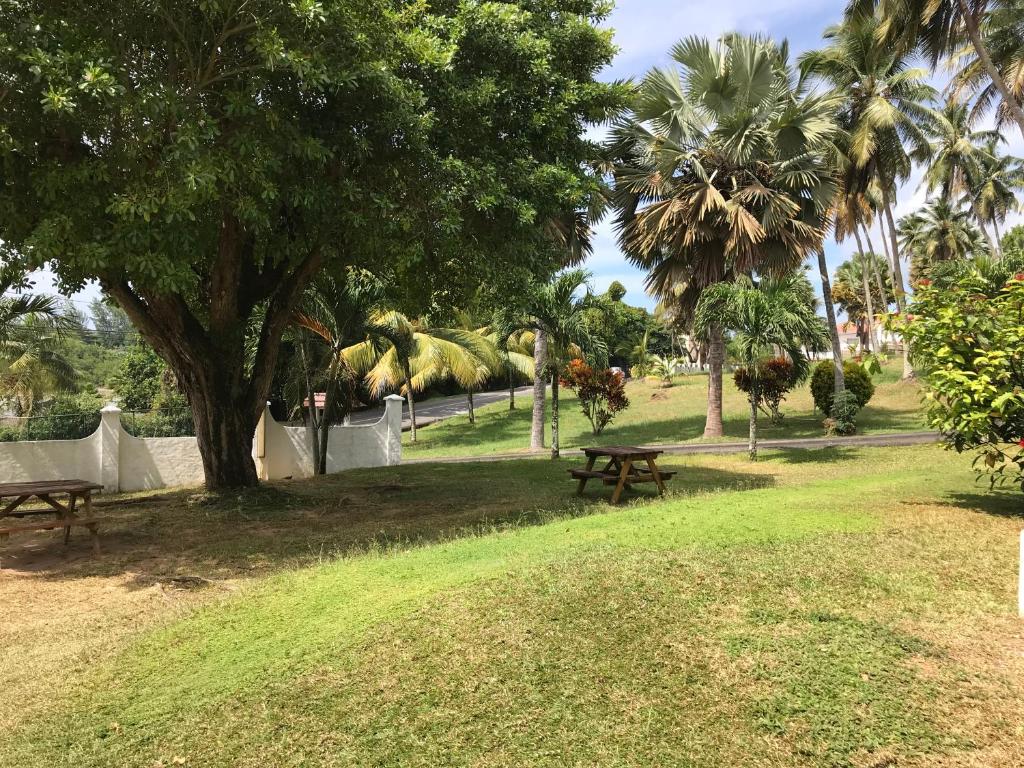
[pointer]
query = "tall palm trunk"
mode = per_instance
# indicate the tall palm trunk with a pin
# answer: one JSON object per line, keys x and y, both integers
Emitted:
{"x": 833, "y": 327}
{"x": 999, "y": 238}
{"x": 754, "y": 400}
{"x": 716, "y": 359}
{"x": 540, "y": 354}
{"x": 899, "y": 288}
{"x": 412, "y": 404}
{"x": 554, "y": 414}
{"x": 314, "y": 425}
{"x": 879, "y": 283}
{"x": 870, "y": 318}
{"x": 974, "y": 33}
{"x": 983, "y": 228}
{"x": 472, "y": 413}
{"x": 325, "y": 419}
{"x": 511, "y": 390}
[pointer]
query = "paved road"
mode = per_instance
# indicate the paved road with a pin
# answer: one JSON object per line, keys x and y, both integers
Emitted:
{"x": 437, "y": 408}
{"x": 882, "y": 441}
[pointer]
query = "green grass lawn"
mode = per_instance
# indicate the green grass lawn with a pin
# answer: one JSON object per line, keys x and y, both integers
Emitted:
{"x": 656, "y": 415}
{"x": 848, "y": 607}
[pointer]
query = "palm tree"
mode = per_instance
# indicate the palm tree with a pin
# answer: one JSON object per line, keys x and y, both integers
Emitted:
{"x": 559, "y": 311}
{"x": 515, "y": 350}
{"x": 994, "y": 195}
{"x": 777, "y": 314}
{"x": 937, "y": 233}
{"x": 855, "y": 295}
{"x": 32, "y": 330}
{"x": 1003, "y": 34}
{"x": 939, "y": 28}
{"x": 412, "y": 355}
{"x": 723, "y": 172}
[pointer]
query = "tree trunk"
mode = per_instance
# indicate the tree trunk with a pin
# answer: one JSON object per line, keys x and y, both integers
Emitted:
{"x": 314, "y": 424}
{"x": 224, "y": 433}
{"x": 870, "y": 319}
{"x": 752, "y": 447}
{"x": 554, "y": 414}
{"x": 999, "y": 238}
{"x": 983, "y": 228}
{"x": 974, "y": 33}
{"x": 716, "y": 359}
{"x": 330, "y": 392}
{"x": 830, "y": 313}
{"x": 899, "y": 288}
{"x": 511, "y": 391}
{"x": 472, "y": 413}
{"x": 879, "y": 283}
{"x": 412, "y": 406}
{"x": 540, "y": 354}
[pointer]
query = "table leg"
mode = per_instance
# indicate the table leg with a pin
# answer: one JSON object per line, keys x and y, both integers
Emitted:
{"x": 72, "y": 500}
{"x": 93, "y": 533}
{"x": 623, "y": 473}
{"x": 583, "y": 480}
{"x": 657, "y": 476}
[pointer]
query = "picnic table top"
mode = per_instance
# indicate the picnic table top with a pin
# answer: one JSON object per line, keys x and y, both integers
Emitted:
{"x": 621, "y": 451}
{"x": 47, "y": 486}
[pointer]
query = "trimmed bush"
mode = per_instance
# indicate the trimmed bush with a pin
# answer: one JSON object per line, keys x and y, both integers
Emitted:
{"x": 823, "y": 384}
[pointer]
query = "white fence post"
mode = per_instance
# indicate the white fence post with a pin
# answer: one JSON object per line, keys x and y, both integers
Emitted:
{"x": 393, "y": 415}
{"x": 1020, "y": 578}
{"x": 110, "y": 448}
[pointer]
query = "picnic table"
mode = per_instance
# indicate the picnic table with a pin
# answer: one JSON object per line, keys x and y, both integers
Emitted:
{"x": 621, "y": 469}
{"x": 45, "y": 491}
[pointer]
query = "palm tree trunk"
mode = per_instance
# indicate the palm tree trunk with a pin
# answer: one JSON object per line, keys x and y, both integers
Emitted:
{"x": 833, "y": 327}
{"x": 754, "y": 398}
{"x": 540, "y": 353}
{"x": 412, "y": 406}
{"x": 898, "y": 287}
{"x": 716, "y": 359}
{"x": 870, "y": 319}
{"x": 879, "y": 283}
{"x": 314, "y": 429}
{"x": 511, "y": 390}
{"x": 983, "y": 228}
{"x": 554, "y": 414}
{"x": 325, "y": 420}
{"x": 999, "y": 238}
{"x": 974, "y": 33}
{"x": 472, "y": 413}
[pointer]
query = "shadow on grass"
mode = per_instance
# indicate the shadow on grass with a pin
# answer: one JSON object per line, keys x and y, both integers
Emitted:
{"x": 187, "y": 536}
{"x": 829, "y": 455}
{"x": 999, "y": 502}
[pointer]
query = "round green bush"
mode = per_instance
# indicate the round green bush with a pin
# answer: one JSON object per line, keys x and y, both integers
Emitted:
{"x": 823, "y": 384}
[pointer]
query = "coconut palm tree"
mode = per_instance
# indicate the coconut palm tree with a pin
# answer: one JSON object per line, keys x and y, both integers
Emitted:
{"x": 994, "y": 195}
{"x": 409, "y": 355}
{"x": 777, "y": 314}
{"x": 32, "y": 331}
{"x": 1003, "y": 35}
{"x": 858, "y": 297}
{"x": 940, "y": 28}
{"x": 559, "y": 309}
{"x": 722, "y": 172}
{"x": 937, "y": 233}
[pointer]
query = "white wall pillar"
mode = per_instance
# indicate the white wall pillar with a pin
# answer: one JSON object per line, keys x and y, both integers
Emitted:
{"x": 393, "y": 419}
{"x": 110, "y": 448}
{"x": 259, "y": 445}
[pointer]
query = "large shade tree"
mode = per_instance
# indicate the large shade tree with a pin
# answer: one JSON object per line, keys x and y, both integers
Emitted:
{"x": 204, "y": 161}
{"x": 724, "y": 173}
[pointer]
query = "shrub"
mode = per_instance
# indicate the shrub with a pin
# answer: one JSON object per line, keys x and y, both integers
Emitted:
{"x": 602, "y": 394}
{"x": 842, "y": 419}
{"x": 138, "y": 380}
{"x": 66, "y": 417}
{"x": 823, "y": 384}
{"x": 775, "y": 379}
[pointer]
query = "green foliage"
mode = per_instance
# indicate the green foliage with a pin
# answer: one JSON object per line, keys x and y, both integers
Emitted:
{"x": 1013, "y": 241}
{"x": 967, "y": 340}
{"x": 112, "y": 326}
{"x": 137, "y": 382}
{"x": 823, "y": 384}
{"x": 774, "y": 378}
{"x": 602, "y": 393}
{"x": 65, "y": 417}
{"x": 842, "y": 419}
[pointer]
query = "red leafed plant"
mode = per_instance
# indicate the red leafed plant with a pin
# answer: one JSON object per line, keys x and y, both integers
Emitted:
{"x": 602, "y": 393}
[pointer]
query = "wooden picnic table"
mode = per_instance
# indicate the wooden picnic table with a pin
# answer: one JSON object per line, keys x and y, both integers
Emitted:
{"x": 45, "y": 490}
{"x": 621, "y": 470}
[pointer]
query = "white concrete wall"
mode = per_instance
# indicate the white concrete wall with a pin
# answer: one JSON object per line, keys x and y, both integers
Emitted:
{"x": 121, "y": 462}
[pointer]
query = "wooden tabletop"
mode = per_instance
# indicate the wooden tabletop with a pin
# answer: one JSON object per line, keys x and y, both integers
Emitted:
{"x": 621, "y": 451}
{"x": 47, "y": 486}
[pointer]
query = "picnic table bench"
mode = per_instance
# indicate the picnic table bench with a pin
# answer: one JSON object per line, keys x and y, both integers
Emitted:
{"x": 621, "y": 470}
{"x": 45, "y": 490}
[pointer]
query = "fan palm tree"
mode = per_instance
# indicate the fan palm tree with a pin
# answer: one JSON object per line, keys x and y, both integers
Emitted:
{"x": 940, "y": 28}
{"x": 559, "y": 310}
{"x": 32, "y": 330}
{"x": 777, "y": 314}
{"x": 994, "y": 195}
{"x": 723, "y": 172}
{"x": 939, "y": 232}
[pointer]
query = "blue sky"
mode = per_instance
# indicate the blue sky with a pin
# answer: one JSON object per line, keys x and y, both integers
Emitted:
{"x": 645, "y": 31}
